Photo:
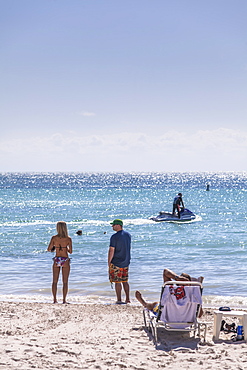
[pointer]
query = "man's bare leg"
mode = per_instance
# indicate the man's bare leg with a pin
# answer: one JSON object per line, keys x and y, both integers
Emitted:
{"x": 127, "y": 291}
{"x": 118, "y": 290}
{"x": 149, "y": 306}
{"x": 200, "y": 312}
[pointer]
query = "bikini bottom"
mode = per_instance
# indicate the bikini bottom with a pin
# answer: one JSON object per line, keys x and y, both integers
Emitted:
{"x": 60, "y": 261}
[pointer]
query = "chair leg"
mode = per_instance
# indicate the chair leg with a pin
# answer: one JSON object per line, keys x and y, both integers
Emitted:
{"x": 153, "y": 331}
{"x": 144, "y": 318}
{"x": 155, "y": 335}
{"x": 148, "y": 322}
{"x": 199, "y": 330}
{"x": 204, "y": 330}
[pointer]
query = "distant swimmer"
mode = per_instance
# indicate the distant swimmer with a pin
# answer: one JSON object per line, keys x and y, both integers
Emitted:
{"x": 207, "y": 188}
{"x": 176, "y": 204}
{"x": 79, "y": 232}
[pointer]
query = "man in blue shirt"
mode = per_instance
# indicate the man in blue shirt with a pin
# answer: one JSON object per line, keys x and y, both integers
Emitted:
{"x": 119, "y": 260}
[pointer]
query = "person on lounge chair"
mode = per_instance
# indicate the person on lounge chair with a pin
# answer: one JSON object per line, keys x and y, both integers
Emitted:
{"x": 168, "y": 275}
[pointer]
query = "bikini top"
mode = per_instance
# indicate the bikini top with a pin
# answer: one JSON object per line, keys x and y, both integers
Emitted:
{"x": 59, "y": 248}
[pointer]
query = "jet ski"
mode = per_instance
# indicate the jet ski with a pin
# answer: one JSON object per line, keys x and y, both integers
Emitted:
{"x": 185, "y": 215}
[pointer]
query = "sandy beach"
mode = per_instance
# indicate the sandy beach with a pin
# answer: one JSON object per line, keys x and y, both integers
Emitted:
{"x": 86, "y": 336}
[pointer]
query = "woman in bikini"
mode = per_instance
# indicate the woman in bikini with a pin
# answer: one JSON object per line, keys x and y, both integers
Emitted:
{"x": 62, "y": 244}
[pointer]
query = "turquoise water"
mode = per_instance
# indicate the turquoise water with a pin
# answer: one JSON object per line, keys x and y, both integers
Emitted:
{"x": 213, "y": 246}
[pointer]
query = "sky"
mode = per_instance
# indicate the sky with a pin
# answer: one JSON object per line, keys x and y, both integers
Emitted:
{"x": 123, "y": 85}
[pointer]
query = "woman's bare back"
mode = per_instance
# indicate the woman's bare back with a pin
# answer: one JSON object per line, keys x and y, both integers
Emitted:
{"x": 63, "y": 246}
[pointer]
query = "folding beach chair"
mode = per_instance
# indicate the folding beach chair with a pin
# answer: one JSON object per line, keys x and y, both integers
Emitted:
{"x": 179, "y": 307}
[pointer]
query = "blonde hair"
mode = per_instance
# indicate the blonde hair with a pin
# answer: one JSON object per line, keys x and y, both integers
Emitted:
{"x": 62, "y": 230}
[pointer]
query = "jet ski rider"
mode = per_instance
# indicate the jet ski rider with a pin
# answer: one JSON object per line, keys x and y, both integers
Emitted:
{"x": 176, "y": 204}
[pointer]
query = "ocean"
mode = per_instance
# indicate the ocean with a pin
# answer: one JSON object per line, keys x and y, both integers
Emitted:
{"x": 213, "y": 246}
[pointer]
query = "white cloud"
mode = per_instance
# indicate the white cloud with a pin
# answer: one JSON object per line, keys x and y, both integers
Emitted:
{"x": 208, "y": 150}
{"x": 87, "y": 114}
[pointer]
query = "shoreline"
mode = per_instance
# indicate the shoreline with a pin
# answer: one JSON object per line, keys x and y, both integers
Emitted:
{"x": 99, "y": 336}
{"x": 209, "y": 302}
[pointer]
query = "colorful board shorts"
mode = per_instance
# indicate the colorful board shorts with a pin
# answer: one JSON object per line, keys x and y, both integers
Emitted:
{"x": 118, "y": 274}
